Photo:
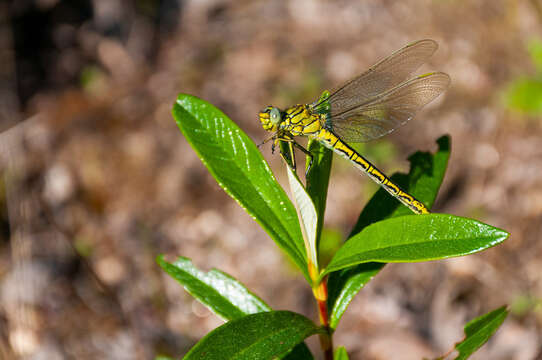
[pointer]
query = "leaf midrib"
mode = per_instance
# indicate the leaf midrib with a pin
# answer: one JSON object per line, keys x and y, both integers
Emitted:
{"x": 434, "y": 242}
{"x": 259, "y": 340}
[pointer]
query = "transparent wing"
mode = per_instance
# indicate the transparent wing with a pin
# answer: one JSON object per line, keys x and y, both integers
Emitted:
{"x": 387, "y": 111}
{"x": 384, "y": 75}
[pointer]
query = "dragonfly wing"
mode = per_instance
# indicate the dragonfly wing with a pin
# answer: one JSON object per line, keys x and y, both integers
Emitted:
{"x": 388, "y": 110}
{"x": 384, "y": 75}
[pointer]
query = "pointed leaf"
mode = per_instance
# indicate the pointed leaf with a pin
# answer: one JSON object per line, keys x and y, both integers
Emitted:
{"x": 426, "y": 175}
{"x": 479, "y": 330}
{"x": 218, "y": 291}
{"x": 222, "y": 294}
{"x": 340, "y": 354}
{"x": 258, "y": 336}
{"x": 343, "y": 285}
{"x": 423, "y": 181}
{"x": 307, "y": 214}
{"x": 318, "y": 180}
{"x": 416, "y": 238}
{"x": 237, "y": 165}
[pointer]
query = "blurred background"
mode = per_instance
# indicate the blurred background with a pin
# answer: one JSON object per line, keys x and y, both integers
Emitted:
{"x": 97, "y": 180}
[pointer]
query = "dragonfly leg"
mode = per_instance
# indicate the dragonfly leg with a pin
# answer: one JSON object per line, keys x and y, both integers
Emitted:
{"x": 308, "y": 153}
{"x": 272, "y": 137}
{"x": 289, "y": 157}
{"x": 274, "y": 144}
{"x": 291, "y": 145}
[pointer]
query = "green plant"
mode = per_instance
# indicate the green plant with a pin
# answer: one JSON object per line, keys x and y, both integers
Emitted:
{"x": 524, "y": 94}
{"x": 385, "y": 232}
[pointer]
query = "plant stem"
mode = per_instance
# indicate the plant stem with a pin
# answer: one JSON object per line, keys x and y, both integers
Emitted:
{"x": 326, "y": 339}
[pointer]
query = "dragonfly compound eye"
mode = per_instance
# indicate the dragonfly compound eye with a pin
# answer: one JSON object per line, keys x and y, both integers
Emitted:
{"x": 270, "y": 118}
{"x": 275, "y": 116}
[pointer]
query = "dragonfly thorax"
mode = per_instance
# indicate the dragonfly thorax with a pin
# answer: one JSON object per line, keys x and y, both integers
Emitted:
{"x": 271, "y": 117}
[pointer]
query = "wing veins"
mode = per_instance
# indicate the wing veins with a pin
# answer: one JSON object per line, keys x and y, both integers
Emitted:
{"x": 389, "y": 110}
{"x": 389, "y": 71}
{"x": 391, "y": 91}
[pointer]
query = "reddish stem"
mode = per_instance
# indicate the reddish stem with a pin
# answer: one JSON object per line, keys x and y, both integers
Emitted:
{"x": 326, "y": 340}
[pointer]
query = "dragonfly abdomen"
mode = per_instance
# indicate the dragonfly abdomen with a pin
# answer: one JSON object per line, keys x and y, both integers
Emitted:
{"x": 331, "y": 141}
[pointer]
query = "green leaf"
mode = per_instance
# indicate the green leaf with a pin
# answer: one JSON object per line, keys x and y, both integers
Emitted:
{"x": 222, "y": 294}
{"x": 318, "y": 180}
{"x": 299, "y": 352}
{"x": 426, "y": 175}
{"x": 307, "y": 214}
{"x": 525, "y": 95}
{"x": 479, "y": 330}
{"x": 343, "y": 285}
{"x": 424, "y": 180}
{"x": 416, "y": 238}
{"x": 218, "y": 291}
{"x": 535, "y": 50}
{"x": 340, "y": 354}
{"x": 237, "y": 165}
{"x": 258, "y": 336}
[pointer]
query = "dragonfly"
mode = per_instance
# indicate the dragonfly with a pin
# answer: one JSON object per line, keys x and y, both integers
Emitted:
{"x": 369, "y": 106}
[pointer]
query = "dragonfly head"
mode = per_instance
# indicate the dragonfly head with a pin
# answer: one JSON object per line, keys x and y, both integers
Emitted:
{"x": 270, "y": 117}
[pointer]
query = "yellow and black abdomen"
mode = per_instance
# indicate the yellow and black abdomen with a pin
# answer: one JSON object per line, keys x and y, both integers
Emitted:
{"x": 298, "y": 120}
{"x": 331, "y": 141}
